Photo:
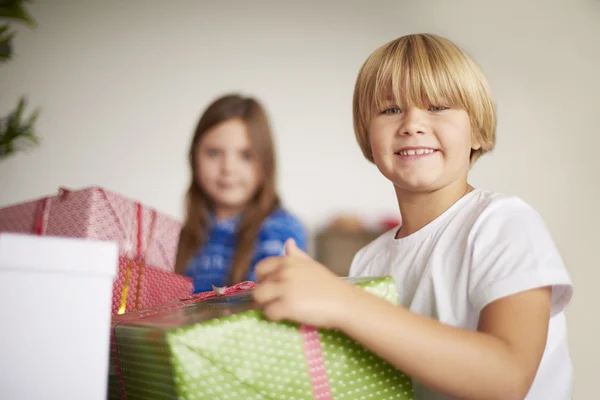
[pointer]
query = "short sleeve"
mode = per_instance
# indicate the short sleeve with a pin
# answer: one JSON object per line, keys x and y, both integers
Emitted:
{"x": 512, "y": 251}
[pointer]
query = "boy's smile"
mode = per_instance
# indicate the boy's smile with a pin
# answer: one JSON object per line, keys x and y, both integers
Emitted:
{"x": 414, "y": 153}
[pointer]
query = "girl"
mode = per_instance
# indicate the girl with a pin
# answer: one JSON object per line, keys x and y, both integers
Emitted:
{"x": 482, "y": 286}
{"x": 233, "y": 217}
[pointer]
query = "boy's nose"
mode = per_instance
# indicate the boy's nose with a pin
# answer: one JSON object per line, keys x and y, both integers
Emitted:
{"x": 412, "y": 122}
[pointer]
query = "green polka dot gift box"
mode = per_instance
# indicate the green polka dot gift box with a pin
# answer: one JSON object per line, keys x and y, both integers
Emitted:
{"x": 218, "y": 346}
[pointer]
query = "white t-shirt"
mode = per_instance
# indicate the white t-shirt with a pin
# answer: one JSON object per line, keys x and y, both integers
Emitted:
{"x": 484, "y": 247}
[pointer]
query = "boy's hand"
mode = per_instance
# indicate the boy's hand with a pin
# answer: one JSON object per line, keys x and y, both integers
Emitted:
{"x": 296, "y": 288}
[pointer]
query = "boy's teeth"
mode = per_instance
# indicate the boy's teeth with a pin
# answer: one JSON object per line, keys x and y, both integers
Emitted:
{"x": 415, "y": 152}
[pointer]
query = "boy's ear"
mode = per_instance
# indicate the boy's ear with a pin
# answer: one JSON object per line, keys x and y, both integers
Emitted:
{"x": 475, "y": 145}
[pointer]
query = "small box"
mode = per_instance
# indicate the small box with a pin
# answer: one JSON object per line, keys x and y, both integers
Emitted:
{"x": 55, "y": 308}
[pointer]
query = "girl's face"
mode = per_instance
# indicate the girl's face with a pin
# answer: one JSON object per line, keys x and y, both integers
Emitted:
{"x": 226, "y": 167}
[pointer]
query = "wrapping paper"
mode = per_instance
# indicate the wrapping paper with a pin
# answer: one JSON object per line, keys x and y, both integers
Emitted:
{"x": 139, "y": 287}
{"x": 97, "y": 213}
{"x": 220, "y": 347}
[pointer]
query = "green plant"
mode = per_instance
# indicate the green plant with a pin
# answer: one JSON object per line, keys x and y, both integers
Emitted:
{"x": 5, "y": 42}
{"x": 15, "y": 9}
{"x": 16, "y": 131}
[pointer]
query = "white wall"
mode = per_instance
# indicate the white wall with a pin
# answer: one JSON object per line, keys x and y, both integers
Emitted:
{"x": 127, "y": 80}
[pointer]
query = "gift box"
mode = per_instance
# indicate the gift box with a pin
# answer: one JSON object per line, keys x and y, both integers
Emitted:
{"x": 220, "y": 347}
{"x": 147, "y": 240}
{"x": 97, "y": 213}
{"x": 54, "y": 341}
{"x": 139, "y": 286}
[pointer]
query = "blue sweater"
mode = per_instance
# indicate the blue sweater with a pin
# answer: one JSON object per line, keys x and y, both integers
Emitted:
{"x": 210, "y": 265}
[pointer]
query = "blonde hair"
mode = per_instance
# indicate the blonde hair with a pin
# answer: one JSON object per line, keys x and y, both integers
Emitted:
{"x": 196, "y": 226}
{"x": 422, "y": 70}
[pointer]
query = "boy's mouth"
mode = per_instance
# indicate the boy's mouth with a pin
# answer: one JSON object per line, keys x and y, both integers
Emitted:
{"x": 415, "y": 151}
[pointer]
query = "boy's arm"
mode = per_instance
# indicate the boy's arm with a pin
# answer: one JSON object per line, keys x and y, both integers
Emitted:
{"x": 517, "y": 280}
{"x": 497, "y": 362}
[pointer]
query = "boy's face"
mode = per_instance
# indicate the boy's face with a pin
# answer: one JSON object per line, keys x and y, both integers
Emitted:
{"x": 421, "y": 150}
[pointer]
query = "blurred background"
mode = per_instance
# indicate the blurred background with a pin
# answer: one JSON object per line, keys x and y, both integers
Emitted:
{"x": 121, "y": 85}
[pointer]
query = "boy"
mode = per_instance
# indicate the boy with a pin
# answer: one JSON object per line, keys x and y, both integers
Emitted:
{"x": 482, "y": 286}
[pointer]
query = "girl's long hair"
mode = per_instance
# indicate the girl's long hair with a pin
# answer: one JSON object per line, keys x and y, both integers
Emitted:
{"x": 196, "y": 226}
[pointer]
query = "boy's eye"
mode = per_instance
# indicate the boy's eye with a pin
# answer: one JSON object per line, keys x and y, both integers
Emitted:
{"x": 437, "y": 108}
{"x": 392, "y": 110}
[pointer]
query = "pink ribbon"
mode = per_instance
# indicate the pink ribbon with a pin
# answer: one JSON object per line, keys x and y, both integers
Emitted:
{"x": 42, "y": 220}
{"x": 316, "y": 362}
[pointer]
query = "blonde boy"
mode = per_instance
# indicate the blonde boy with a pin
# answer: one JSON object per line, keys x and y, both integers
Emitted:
{"x": 481, "y": 283}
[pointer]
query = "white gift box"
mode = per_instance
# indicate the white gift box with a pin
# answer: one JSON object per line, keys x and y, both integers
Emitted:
{"x": 55, "y": 311}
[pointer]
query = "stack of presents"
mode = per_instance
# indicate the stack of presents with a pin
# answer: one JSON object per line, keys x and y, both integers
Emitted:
{"x": 168, "y": 343}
